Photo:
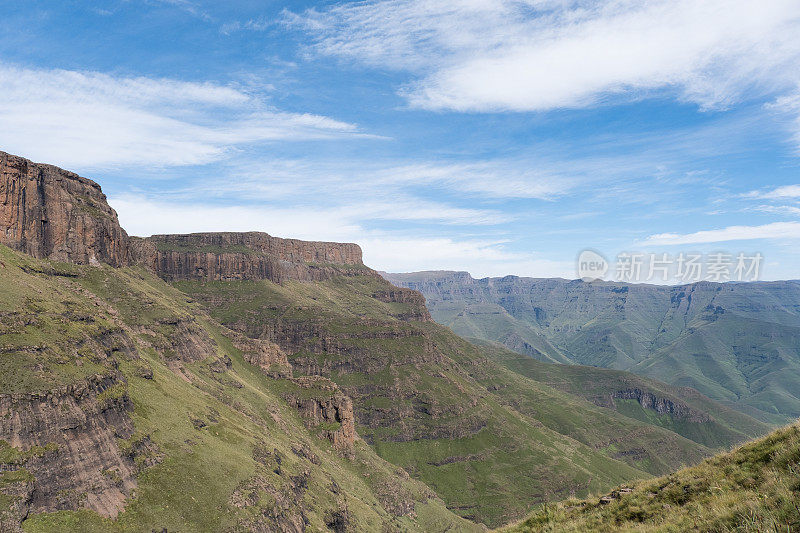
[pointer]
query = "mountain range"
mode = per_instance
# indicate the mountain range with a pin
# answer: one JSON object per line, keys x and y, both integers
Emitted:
{"x": 244, "y": 382}
{"x": 738, "y": 343}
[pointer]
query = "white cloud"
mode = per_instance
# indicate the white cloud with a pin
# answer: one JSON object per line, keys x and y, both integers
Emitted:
{"x": 362, "y": 180}
{"x": 480, "y": 55}
{"x": 780, "y": 193}
{"x": 774, "y": 230}
{"x": 141, "y": 215}
{"x": 382, "y": 250}
{"x": 779, "y": 209}
{"x": 480, "y": 258}
{"x": 94, "y": 120}
{"x": 790, "y": 106}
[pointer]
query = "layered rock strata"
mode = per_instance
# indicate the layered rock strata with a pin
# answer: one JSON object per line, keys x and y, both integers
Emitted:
{"x": 51, "y": 213}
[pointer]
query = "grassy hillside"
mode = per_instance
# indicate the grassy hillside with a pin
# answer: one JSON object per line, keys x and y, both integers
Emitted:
{"x": 692, "y": 415}
{"x": 474, "y": 430}
{"x": 415, "y": 398}
{"x": 209, "y": 442}
{"x": 753, "y": 488}
{"x": 738, "y": 343}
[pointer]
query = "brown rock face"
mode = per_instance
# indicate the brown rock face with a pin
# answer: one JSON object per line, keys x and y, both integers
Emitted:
{"x": 50, "y": 213}
{"x": 406, "y": 296}
{"x": 324, "y": 406}
{"x": 243, "y": 256}
{"x": 661, "y": 405}
{"x": 66, "y": 439}
{"x": 264, "y": 354}
{"x": 289, "y": 250}
{"x": 173, "y": 265}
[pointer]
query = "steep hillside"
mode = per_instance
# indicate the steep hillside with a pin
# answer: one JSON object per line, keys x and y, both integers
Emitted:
{"x": 119, "y": 399}
{"x": 738, "y": 343}
{"x": 124, "y": 407}
{"x": 682, "y": 410}
{"x": 753, "y": 488}
{"x": 432, "y": 403}
{"x": 238, "y": 381}
{"x": 412, "y": 383}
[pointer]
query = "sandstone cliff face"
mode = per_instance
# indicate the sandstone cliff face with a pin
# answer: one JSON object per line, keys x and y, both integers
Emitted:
{"x": 264, "y": 354}
{"x": 243, "y": 256}
{"x": 50, "y": 213}
{"x": 289, "y": 250}
{"x": 172, "y": 265}
{"x": 65, "y": 440}
{"x": 406, "y": 296}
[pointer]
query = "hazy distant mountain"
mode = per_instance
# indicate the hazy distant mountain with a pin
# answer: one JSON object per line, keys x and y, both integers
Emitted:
{"x": 735, "y": 342}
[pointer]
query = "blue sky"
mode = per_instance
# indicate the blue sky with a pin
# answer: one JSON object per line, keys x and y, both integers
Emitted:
{"x": 498, "y": 137}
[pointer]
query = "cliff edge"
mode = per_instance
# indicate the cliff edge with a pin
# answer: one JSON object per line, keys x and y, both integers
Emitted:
{"x": 51, "y": 213}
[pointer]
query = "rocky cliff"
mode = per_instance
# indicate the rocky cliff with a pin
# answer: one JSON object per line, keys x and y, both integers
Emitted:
{"x": 61, "y": 447}
{"x": 324, "y": 408}
{"x": 243, "y": 256}
{"x": 50, "y": 213}
{"x": 661, "y": 405}
{"x": 286, "y": 250}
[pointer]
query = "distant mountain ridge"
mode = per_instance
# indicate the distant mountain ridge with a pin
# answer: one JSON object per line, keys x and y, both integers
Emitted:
{"x": 738, "y": 343}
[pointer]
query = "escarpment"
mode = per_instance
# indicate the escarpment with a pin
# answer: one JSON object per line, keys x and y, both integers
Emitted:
{"x": 51, "y": 213}
{"x": 288, "y": 250}
{"x": 247, "y": 256}
{"x": 61, "y": 446}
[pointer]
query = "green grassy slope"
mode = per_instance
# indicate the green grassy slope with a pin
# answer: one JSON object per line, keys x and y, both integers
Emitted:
{"x": 473, "y": 430}
{"x": 224, "y": 451}
{"x": 707, "y": 422}
{"x": 753, "y": 488}
{"x": 738, "y": 343}
{"x": 490, "y": 441}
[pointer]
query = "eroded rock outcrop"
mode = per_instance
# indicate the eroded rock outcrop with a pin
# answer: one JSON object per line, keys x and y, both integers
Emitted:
{"x": 51, "y": 213}
{"x": 63, "y": 443}
{"x": 324, "y": 408}
{"x": 264, "y": 354}
{"x": 661, "y": 405}
{"x": 414, "y": 299}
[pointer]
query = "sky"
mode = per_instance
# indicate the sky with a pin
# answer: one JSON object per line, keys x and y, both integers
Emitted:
{"x": 493, "y": 136}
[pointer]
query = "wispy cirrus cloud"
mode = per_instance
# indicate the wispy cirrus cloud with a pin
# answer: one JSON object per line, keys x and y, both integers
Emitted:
{"x": 789, "y": 210}
{"x": 523, "y": 55}
{"x": 779, "y": 193}
{"x": 191, "y": 8}
{"x": 94, "y": 120}
{"x": 489, "y": 179}
{"x": 774, "y": 230}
